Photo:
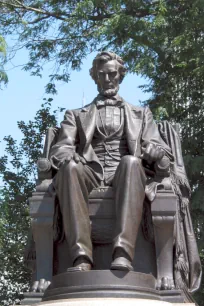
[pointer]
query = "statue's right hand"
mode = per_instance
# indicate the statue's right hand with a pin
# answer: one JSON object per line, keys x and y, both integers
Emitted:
{"x": 75, "y": 156}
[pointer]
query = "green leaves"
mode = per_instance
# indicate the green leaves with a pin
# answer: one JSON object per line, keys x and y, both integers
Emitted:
{"x": 3, "y": 75}
{"x": 2, "y": 46}
{"x": 18, "y": 173}
{"x": 84, "y": 9}
{"x": 63, "y": 32}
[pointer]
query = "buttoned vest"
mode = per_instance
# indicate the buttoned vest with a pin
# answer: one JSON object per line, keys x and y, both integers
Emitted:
{"x": 110, "y": 148}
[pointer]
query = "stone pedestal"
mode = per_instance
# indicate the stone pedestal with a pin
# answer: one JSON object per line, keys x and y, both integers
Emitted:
{"x": 104, "y": 284}
{"x": 106, "y": 287}
{"x": 31, "y": 298}
{"x": 110, "y": 302}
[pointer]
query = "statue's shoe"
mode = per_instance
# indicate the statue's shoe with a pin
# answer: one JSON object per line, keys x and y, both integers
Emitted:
{"x": 82, "y": 267}
{"x": 121, "y": 263}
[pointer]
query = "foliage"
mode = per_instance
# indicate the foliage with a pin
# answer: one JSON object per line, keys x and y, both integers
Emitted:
{"x": 161, "y": 39}
{"x": 13, "y": 233}
{"x": 64, "y": 32}
{"x": 177, "y": 87}
{"x": 18, "y": 172}
{"x": 198, "y": 218}
{"x": 3, "y": 75}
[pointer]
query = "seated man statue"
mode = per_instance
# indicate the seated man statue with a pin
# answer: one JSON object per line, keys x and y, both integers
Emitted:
{"x": 105, "y": 143}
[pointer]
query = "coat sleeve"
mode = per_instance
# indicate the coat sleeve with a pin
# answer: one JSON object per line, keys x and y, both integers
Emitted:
{"x": 65, "y": 145}
{"x": 150, "y": 133}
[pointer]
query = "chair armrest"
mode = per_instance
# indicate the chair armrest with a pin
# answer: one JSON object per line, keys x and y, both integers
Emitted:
{"x": 44, "y": 168}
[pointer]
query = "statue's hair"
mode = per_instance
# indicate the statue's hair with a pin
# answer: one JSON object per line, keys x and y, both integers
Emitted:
{"x": 106, "y": 56}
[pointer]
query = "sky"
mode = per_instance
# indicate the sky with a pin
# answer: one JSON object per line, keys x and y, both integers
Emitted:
{"x": 24, "y": 94}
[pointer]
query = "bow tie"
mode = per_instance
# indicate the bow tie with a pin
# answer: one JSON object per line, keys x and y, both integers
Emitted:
{"x": 113, "y": 101}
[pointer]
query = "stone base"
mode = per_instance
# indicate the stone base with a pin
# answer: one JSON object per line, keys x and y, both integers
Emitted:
{"x": 110, "y": 302}
{"x": 110, "y": 284}
{"x": 30, "y": 298}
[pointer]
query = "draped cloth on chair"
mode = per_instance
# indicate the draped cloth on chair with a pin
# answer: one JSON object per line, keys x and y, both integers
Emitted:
{"x": 187, "y": 265}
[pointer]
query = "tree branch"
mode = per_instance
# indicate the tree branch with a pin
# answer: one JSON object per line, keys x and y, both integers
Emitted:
{"x": 140, "y": 14}
{"x": 37, "y": 20}
{"x": 100, "y": 17}
{"x": 19, "y": 5}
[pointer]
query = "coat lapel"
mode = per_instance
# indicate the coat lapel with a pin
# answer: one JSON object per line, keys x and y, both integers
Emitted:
{"x": 88, "y": 122}
{"x": 133, "y": 119}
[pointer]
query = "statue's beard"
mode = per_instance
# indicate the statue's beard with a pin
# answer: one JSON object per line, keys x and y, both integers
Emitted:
{"x": 108, "y": 92}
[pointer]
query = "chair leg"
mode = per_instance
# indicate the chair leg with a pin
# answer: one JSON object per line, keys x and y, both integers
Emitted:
{"x": 163, "y": 215}
{"x": 42, "y": 212}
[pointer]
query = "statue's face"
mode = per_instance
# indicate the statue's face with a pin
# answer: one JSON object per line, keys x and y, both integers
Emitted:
{"x": 108, "y": 78}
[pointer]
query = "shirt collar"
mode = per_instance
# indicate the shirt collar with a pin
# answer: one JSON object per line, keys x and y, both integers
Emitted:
{"x": 109, "y": 101}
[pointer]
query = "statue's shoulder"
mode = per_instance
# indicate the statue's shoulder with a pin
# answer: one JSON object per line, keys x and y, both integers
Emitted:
{"x": 83, "y": 109}
{"x": 76, "y": 111}
{"x": 135, "y": 107}
{"x": 87, "y": 106}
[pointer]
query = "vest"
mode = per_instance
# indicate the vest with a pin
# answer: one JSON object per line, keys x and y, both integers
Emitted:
{"x": 110, "y": 148}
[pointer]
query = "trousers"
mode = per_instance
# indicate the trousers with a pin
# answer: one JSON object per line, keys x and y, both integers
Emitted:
{"x": 74, "y": 181}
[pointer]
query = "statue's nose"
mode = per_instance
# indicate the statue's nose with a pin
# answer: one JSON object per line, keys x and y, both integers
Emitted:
{"x": 107, "y": 78}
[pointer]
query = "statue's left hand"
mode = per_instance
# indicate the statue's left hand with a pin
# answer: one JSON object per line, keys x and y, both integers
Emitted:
{"x": 40, "y": 286}
{"x": 152, "y": 153}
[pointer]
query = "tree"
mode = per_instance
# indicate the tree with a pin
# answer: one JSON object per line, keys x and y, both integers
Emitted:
{"x": 18, "y": 173}
{"x": 162, "y": 40}
{"x": 64, "y": 32}
{"x": 177, "y": 87}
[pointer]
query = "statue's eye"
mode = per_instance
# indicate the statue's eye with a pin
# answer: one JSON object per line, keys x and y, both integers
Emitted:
{"x": 113, "y": 74}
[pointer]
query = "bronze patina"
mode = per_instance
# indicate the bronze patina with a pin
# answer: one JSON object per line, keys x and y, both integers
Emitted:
{"x": 119, "y": 209}
{"x": 111, "y": 139}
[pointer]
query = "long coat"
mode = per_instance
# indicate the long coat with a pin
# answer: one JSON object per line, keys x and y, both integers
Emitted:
{"x": 78, "y": 128}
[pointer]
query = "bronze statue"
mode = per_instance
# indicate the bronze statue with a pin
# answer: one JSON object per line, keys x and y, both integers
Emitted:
{"x": 106, "y": 142}
{"x": 112, "y": 156}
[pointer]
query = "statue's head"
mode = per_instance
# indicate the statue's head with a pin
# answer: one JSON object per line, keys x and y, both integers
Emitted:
{"x": 108, "y": 71}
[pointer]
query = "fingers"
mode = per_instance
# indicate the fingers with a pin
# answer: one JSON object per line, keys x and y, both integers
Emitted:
{"x": 83, "y": 161}
{"x": 148, "y": 153}
{"x": 76, "y": 158}
{"x": 68, "y": 158}
{"x": 152, "y": 153}
{"x": 149, "y": 148}
{"x": 65, "y": 161}
{"x": 161, "y": 154}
